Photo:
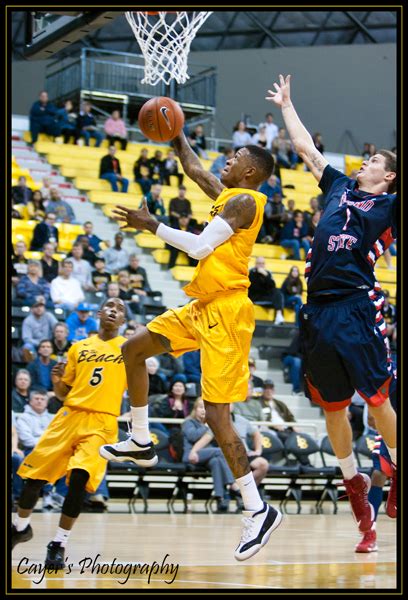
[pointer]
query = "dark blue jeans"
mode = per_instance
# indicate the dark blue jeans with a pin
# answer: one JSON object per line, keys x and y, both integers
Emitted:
{"x": 294, "y": 363}
{"x": 92, "y": 134}
{"x": 114, "y": 180}
{"x": 295, "y": 246}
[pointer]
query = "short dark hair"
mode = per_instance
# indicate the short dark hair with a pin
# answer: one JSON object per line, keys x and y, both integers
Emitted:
{"x": 390, "y": 165}
{"x": 263, "y": 160}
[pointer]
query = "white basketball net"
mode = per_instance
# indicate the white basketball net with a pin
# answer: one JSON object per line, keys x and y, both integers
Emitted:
{"x": 165, "y": 45}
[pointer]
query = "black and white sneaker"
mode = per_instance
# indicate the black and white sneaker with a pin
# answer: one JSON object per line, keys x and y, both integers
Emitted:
{"x": 20, "y": 536}
{"x": 257, "y": 528}
{"x": 55, "y": 556}
{"x": 142, "y": 455}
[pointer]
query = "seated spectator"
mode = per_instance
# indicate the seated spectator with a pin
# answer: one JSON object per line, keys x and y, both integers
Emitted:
{"x": 257, "y": 382}
{"x": 37, "y": 326}
{"x": 49, "y": 265}
{"x": 292, "y": 360}
{"x": 100, "y": 277}
{"x": 312, "y": 227}
{"x": 389, "y": 314}
{"x": 19, "y": 264}
{"x": 198, "y": 450}
{"x": 244, "y": 428}
{"x": 82, "y": 270}
{"x": 170, "y": 168}
{"x": 368, "y": 151}
{"x": 172, "y": 368}
{"x": 184, "y": 224}
{"x": 110, "y": 170}
{"x": 18, "y": 211}
{"x": 67, "y": 121}
{"x": 251, "y": 408}
{"x": 60, "y": 342}
{"x": 294, "y": 235}
{"x": 66, "y": 291}
{"x": 62, "y": 209}
{"x": 46, "y": 188}
{"x": 21, "y": 391}
{"x": 130, "y": 296}
{"x": 88, "y": 253}
{"x": 35, "y": 207}
{"x": 142, "y": 172}
{"x": 263, "y": 290}
{"x": 45, "y": 232}
{"x": 175, "y": 405}
{"x": 34, "y": 420}
{"x": 86, "y": 125}
{"x": 272, "y": 129}
{"x": 80, "y": 323}
{"x": 115, "y": 130}
{"x": 274, "y": 218}
{"x": 276, "y": 411}
{"x": 116, "y": 257}
{"x": 32, "y": 286}
{"x": 219, "y": 163}
{"x": 318, "y": 142}
{"x": 292, "y": 289}
{"x": 94, "y": 240}
{"x": 43, "y": 118}
{"x": 282, "y": 148}
{"x": 314, "y": 208}
{"x": 40, "y": 367}
{"x": 155, "y": 202}
{"x": 157, "y": 383}
{"x": 139, "y": 280}
{"x": 21, "y": 193}
{"x": 290, "y": 210}
{"x": 179, "y": 205}
{"x": 156, "y": 165}
{"x": 260, "y": 138}
{"x": 198, "y": 142}
{"x": 241, "y": 137}
{"x": 192, "y": 366}
{"x": 271, "y": 186}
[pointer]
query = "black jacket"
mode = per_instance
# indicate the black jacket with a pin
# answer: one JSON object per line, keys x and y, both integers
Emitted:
{"x": 261, "y": 286}
{"x": 106, "y": 165}
{"x": 42, "y": 234}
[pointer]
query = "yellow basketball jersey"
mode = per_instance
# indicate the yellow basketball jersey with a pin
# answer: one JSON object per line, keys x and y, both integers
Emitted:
{"x": 96, "y": 372}
{"x": 226, "y": 268}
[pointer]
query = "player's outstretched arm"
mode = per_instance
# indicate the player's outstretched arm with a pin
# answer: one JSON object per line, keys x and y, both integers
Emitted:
{"x": 194, "y": 169}
{"x": 301, "y": 138}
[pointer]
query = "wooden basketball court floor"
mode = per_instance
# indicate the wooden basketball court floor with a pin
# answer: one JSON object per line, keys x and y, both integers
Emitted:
{"x": 195, "y": 551}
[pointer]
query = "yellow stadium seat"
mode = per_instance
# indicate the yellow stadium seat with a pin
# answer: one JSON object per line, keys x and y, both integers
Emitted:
{"x": 385, "y": 276}
{"x": 351, "y": 163}
{"x": 182, "y": 273}
{"x": 269, "y": 251}
{"x": 383, "y": 265}
{"x": 148, "y": 240}
{"x": 264, "y": 314}
{"x": 21, "y": 237}
{"x": 33, "y": 255}
{"x": 18, "y": 225}
{"x": 162, "y": 256}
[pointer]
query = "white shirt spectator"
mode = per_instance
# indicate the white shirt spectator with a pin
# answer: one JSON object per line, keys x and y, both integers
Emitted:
{"x": 31, "y": 425}
{"x": 82, "y": 271}
{"x": 63, "y": 290}
{"x": 116, "y": 259}
{"x": 272, "y": 131}
{"x": 241, "y": 138}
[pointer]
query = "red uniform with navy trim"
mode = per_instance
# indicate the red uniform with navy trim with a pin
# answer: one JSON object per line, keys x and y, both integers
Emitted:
{"x": 341, "y": 332}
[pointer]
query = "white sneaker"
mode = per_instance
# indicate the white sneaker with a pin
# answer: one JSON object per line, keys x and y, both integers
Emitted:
{"x": 279, "y": 319}
{"x": 257, "y": 528}
{"x": 142, "y": 455}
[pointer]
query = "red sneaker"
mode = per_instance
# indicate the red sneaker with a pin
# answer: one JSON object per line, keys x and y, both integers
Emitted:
{"x": 357, "y": 490}
{"x": 368, "y": 543}
{"x": 391, "y": 506}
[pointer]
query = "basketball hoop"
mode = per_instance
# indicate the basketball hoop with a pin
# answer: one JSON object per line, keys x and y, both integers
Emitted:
{"x": 165, "y": 44}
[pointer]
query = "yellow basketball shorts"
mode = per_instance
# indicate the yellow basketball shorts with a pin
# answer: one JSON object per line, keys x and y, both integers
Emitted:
{"x": 222, "y": 330}
{"x": 72, "y": 441}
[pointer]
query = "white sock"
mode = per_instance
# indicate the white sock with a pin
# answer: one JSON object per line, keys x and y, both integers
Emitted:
{"x": 140, "y": 424}
{"x": 348, "y": 466}
{"x": 62, "y": 536}
{"x": 249, "y": 492}
{"x": 21, "y": 523}
{"x": 393, "y": 454}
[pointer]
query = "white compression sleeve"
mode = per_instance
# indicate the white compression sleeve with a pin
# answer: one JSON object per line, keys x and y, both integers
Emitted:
{"x": 197, "y": 246}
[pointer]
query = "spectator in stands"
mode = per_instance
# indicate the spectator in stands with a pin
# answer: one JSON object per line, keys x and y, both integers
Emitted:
{"x": 275, "y": 410}
{"x": 290, "y": 209}
{"x": 263, "y": 290}
{"x": 110, "y": 170}
{"x": 94, "y": 240}
{"x": 272, "y": 129}
{"x": 274, "y": 218}
{"x": 115, "y": 130}
{"x": 178, "y": 205}
{"x": 292, "y": 361}
{"x": 129, "y": 295}
{"x": 170, "y": 167}
{"x": 318, "y": 142}
{"x": 368, "y": 151}
{"x": 129, "y": 332}
{"x": 241, "y": 137}
{"x": 40, "y": 367}
{"x": 294, "y": 235}
{"x": 192, "y": 366}
{"x": 138, "y": 274}
{"x": 61, "y": 208}
{"x": 175, "y": 405}
{"x": 260, "y": 138}
{"x": 86, "y": 125}
{"x": 156, "y": 165}
{"x": 142, "y": 172}
{"x": 198, "y": 142}
{"x": 49, "y": 264}
{"x": 312, "y": 227}
{"x": 43, "y": 118}
{"x": 21, "y": 193}
{"x": 271, "y": 186}
{"x": 100, "y": 277}
{"x": 155, "y": 203}
{"x": 184, "y": 224}
{"x": 19, "y": 262}
{"x": 35, "y": 207}
{"x": 66, "y": 291}
{"x": 82, "y": 270}
{"x": 32, "y": 286}
{"x": 60, "y": 342}
{"x": 116, "y": 257}
{"x": 282, "y": 148}
{"x": 80, "y": 323}
{"x": 251, "y": 408}
{"x": 21, "y": 390}
{"x": 199, "y": 450}
{"x": 46, "y": 188}
{"x": 88, "y": 253}
{"x": 389, "y": 314}
{"x": 172, "y": 367}
{"x": 220, "y": 162}
{"x": 157, "y": 383}
{"x": 37, "y": 326}
{"x": 292, "y": 289}
{"x": 314, "y": 208}
{"x": 67, "y": 121}
{"x": 18, "y": 211}
{"x": 34, "y": 421}
{"x": 244, "y": 428}
{"x": 257, "y": 382}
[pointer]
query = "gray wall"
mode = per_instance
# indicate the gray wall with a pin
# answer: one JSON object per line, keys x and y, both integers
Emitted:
{"x": 334, "y": 89}
{"x": 27, "y": 81}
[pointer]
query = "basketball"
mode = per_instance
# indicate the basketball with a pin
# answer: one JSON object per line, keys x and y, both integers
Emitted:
{"x": 161, "y": 119}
